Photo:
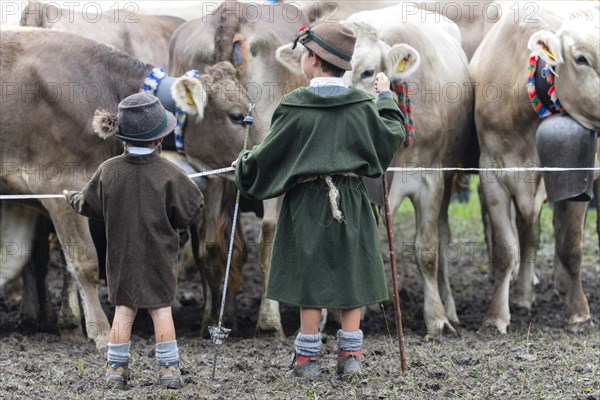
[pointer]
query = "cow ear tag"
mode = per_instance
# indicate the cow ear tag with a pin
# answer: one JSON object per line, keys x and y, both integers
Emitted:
{"x": 401, "y": 65}
{"x": 190, "y": 99}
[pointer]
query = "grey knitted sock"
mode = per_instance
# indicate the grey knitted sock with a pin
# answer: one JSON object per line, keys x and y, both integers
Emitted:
{"x": 118, "y": 354}
{"x": 167, "y": 353}
{"x": 350, "y": 341}
{"x": 308, "y": 345}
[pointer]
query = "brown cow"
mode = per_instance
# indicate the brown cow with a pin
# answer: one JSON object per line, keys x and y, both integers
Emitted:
{"x": 61, "y": 79}
{"x": 145, "y": 37}
{"x": 506, "y": 126}
{"x": 247, "y": 34}
{"x": 141, "y": 36}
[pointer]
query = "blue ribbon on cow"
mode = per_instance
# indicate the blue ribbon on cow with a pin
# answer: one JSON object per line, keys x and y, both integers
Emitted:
{"x": 158, "y": 83}
{"x": 153, "y": 79}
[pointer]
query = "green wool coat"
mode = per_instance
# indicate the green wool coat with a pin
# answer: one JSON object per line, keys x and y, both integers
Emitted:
{"x": 144, "y": 200}
{"x": 317, "y": 261}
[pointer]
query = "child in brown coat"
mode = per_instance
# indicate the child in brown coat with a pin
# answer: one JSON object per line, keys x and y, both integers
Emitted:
{"x": 144, "y": 200}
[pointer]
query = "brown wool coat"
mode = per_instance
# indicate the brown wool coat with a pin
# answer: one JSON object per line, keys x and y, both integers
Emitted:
{"x": 144, "y": 200}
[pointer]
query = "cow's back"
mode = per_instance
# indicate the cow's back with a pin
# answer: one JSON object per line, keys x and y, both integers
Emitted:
{"x": 53, "y": 82}
{"x": 145, "y": 37}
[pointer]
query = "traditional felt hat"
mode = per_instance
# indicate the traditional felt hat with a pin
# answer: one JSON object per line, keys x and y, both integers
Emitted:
{"x": 332, "y": 42}
{"x": 140, "y": 118}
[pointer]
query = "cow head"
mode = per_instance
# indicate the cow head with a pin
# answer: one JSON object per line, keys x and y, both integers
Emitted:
{"x": 573, "y": 52}
{"x": 372, "y": 55}
{"x": 247, "y": 35}
{"x": 216, "y": 104}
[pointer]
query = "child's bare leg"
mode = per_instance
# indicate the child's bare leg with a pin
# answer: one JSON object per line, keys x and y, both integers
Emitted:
{"x": 307, "y": 345}
{"x": 164, "y": 328}
{"x": 309, "y": 320}
{"x": 350, "y": 319}
{"x": 120, "y": 332}
{"x": 117, "y": 357}
{"x": 167, "y": 352}
{"x": 350, "y": 339}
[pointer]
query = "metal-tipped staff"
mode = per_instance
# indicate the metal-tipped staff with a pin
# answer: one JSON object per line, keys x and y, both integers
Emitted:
{"x": 218, "y": 334}
{"x": 398, "y": 312}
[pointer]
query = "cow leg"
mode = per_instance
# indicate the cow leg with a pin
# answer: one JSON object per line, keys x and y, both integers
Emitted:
{"x": 427, "y": 204}
{"x": 30, "y": 303}
{"x": 47, "y": 315}
{"x": 445, "y": 252}
{"x": 37, "y": 307}
{"x": 219, "y": 199}
{"x": 69, "y": 320}
{"x": 426, "y": 193}
{"x": 597, "y": 200}
{"x": 211, "y": 263}
{"x": 485, "y": 219}
{"x": 523, "y": 294}
{"x": 269, "y": 319}
{"x": 25, "y": 251}
{"x": 215, "y": 275}
{"x": 209, "y": 252}
{"x": 503, "y": 258}
{"x": 82, "y": 263}
{"x": 17, "y": 227}
{"x": 569, "y": 218}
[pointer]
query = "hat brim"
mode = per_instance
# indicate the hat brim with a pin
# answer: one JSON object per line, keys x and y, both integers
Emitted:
{"x": 170, "y": 127}
{"x": 327, "y": 56}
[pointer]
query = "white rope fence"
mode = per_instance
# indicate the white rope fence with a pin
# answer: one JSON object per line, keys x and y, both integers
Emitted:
{"x": 507, "y": 169}
{"x": 391, "y": 169}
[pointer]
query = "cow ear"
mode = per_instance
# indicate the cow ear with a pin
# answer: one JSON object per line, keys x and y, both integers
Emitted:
{"x": 289, "y": 58}
{"x": 547, "y": 46}
{"x": 189, "y": 95}
{"x": 402, "y": 60}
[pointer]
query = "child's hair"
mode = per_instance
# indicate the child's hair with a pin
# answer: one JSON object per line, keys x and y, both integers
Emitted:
{"x": 327, "y": 66}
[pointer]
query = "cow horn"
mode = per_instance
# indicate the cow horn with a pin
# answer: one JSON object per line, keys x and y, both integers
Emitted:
{"x": 105, "y": 123}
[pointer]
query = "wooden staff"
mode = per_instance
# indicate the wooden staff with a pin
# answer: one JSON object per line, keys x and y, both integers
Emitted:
{"x": 388, "y": 223}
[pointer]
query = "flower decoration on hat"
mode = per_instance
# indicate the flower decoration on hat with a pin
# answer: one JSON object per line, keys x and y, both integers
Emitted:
{"x": 304, "y": 35}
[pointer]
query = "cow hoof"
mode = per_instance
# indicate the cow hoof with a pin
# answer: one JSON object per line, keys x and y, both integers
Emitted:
{"x": 523, "y": 302}
{"x": 582, "y": 327}
{"x": 493, "y": 328}
{"x": 442, "y": 328}
{"x": 72, "y": 335}
{"x": 453, "y": 318}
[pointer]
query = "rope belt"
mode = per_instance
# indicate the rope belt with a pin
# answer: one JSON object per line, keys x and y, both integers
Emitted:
{"x": 334, "y": 193}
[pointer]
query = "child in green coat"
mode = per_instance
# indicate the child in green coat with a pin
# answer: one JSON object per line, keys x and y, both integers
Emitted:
{"x": 323, "y": 140}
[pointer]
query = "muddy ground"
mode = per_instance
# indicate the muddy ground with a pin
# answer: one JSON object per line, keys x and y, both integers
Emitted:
{"x": 540, "y": 358}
